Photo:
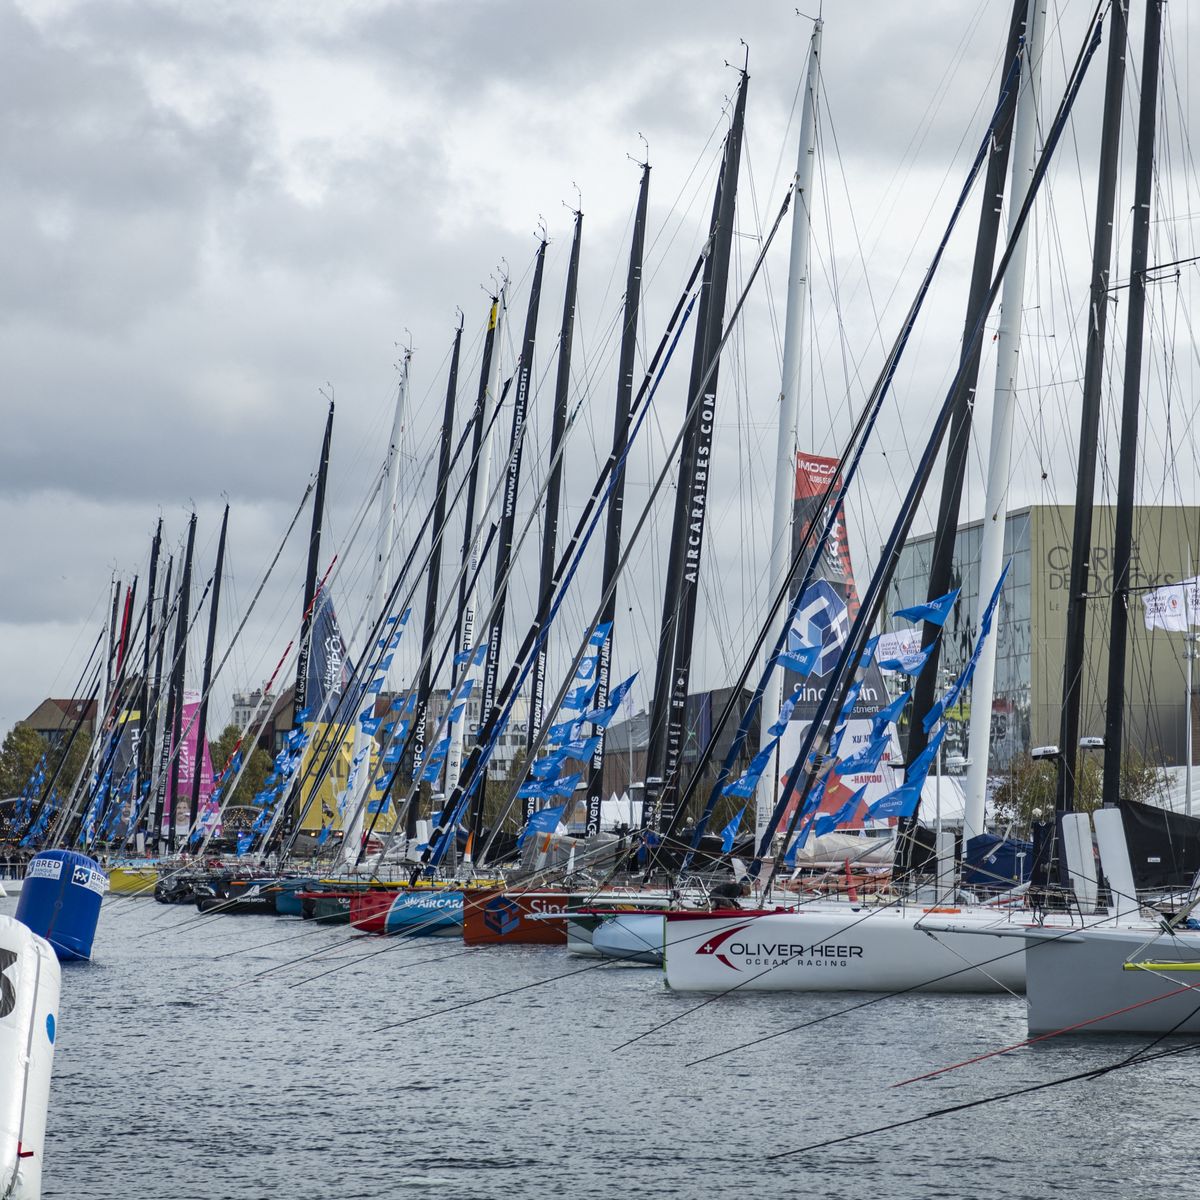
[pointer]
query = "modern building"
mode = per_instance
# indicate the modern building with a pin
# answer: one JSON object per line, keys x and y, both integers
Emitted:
{"x": 1031, "y": 629}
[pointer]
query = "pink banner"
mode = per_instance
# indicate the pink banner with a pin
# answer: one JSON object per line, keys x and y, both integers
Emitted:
{"x": 187, "y": 766}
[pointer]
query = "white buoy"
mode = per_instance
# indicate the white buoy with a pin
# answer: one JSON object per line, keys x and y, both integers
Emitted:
{"x": 29, "y": 986}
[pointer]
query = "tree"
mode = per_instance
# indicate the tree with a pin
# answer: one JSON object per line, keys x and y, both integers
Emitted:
{"x": 258, "y": 766}
{"x": 19, "y": 756}
{"x": 1029, "y": 787}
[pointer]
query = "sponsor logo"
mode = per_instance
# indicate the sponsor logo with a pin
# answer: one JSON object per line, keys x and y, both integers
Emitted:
{"x": 501, "y": 915}
{"x": 776, "y": 954}
{"x": 86, "y": 877}
{"x": 823, "y": 608}
{"x": 44, "y": 868}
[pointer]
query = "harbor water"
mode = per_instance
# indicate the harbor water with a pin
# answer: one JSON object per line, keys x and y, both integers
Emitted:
{"x": 204, "y": 1058}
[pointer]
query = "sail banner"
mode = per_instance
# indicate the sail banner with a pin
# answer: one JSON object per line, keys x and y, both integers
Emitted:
{"x": 826, "y": 613}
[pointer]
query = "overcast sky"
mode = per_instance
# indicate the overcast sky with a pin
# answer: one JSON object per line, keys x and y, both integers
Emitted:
{"x": 211, "y": 212}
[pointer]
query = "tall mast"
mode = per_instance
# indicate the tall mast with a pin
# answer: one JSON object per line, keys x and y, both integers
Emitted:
{"x": 1123, "y": 532}
{"x": 433, "y": 579}
{"x": 616, "y": 500}
{"x": 1008, "y": 350}
{"x": 478, "y": 484}
{"x": 673, "y": 669}
{"x": 1089, "y": 425}
{"x": 145, "y": 739}
{"x": 385, "y": 537}
{"x": 958, "y": 439}
{"x": 789, "y": 398}
{"x": 300, "y": 693}
{"x": 178, "y": 678}
{"x": 160, "y": 749}
{"x": 210, "y": 645}
{"x": 310, "y": 574}
{"x": 508, "y": 514}
{"x": 537, "y": 695}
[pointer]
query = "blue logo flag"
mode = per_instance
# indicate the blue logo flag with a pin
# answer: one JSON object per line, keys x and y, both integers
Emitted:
{"x": 933, "y": 611}
{"x": 565, "y": 731}
{"x": 549, "y": 765}
{"x": 473, "y": 657}
{"x": 370, "y": 725}
{"x": 867, "y": 759}
{"x": 827, "y": 824}
{"x": 902, "y": 802}
{"x": 888, "y": 716}
{"x": 244, "y": 843}
{"x": 456, "y": 713}
{"x": 785, "y": 715}
{"x": 909, "y": 664}
{"x": 582, "y": 749}
{"x": 730, "y": 831}
{"x": 305, "y": 714}
{"x": 566, "y": 785}
{"x": 544, "y": 821}
{"x": 868, "y": 653}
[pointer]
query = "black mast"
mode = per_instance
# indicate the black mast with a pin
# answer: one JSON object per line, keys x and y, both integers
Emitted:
{"x": 145, "y": 736}
{"x": 673, "y": 669}
{"x": 537, "y": 693}
{"x": 433, "y": 580}
{"x": 508, "y": 515}
{"x": 1123, "y": 533}
{"x": 1089, "y": 426}
{"x": 616, "y": 501}
{"x": 209, "y": 647}
{"x": 958, "y": 445}
{"x": 152, "y": 817}
{"x": 300, "y": 693}
{"x": 177, "y": 680}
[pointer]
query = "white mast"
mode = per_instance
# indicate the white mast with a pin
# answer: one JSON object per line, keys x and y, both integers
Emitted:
{"x": 385, "y": 537}
{"x": 477, "y": 521}
{"x": 991, "y": 554}
{"x": 785, "y": 454}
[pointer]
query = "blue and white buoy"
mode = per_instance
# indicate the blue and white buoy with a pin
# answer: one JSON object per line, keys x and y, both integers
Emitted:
{"x": 60, "y": 901}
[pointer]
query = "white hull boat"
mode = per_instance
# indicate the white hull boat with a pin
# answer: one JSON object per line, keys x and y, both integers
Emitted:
{"x": 30, "y": 979}
{"x": 839, "y": 948}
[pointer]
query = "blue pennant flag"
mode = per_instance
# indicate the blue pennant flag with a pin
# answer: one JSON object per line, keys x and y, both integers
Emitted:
{"x": 566, "y": 785}
{"x": 391, "y": 755}
{"x": 549, "y": 765}
{"x": 583, "y": 749}
{"x": 244, "y": 843}
{"x": 785, "y": 715}
{"x": 577, "y": 699}
{"x": 532, "y": 789}
{"x": 455, "y": 714}
{"x": 828, "y": 823}
{"x": 890, "y": 715}
{"x": 901, "y": 802}
{"x": 602, "y": 717}
{"x": 544, "y": 821}
{"x": 565, "y": 731}
{"x": 730, "y": 831}
{"x": 801, "y": 653}
{"x": 868, "y": 654}
{"x": 909, "y": 664}
{"x": 375, "y": 686}
{"x": 463, "y": 690}
{"x": 867, "y": 759}
{"x": 744, "y": 785}
{"x": 305, "y": 714}
{"x": 933, "y": 611}
{"x": 370, "y": 725}
{"x": 473, "y": 657}
{"x": 852, "y": 693}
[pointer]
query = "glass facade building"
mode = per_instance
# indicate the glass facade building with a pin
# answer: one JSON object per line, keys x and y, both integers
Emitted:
{"x": 1027, "y": 707}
